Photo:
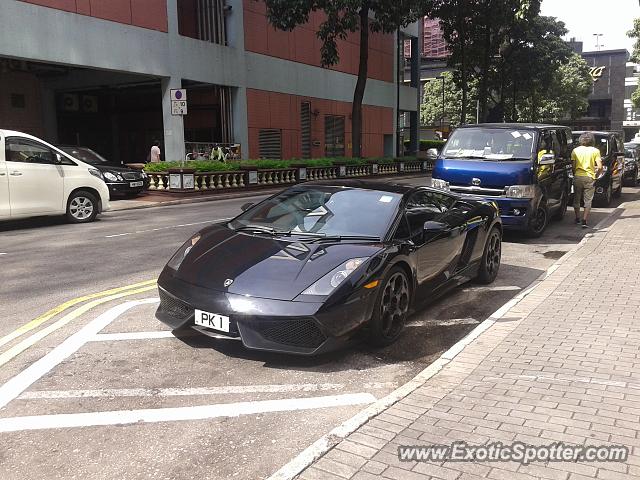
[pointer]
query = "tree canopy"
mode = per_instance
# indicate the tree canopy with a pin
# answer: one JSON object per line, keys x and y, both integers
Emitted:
{"x": 341, "y": 18}
{"x": 635, "y": 57}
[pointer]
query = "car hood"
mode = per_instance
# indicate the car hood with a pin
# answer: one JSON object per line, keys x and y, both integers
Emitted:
{"x": 492, "y": 174}
{"x": 105, "y": 167}
{"x": 263, "y": 266}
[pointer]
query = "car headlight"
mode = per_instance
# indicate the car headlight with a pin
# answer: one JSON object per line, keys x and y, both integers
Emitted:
{"x": 334, "y": 278}
{"x": 521, "y": 191}
{"x": 96, "y": 173}
{"x": 439, "y": 183}
{"x": 182, "y": 253}
{"x": 110, "y": 176}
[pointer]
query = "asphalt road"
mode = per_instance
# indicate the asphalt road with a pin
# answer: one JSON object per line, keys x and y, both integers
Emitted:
{"x": 192, "y": 407}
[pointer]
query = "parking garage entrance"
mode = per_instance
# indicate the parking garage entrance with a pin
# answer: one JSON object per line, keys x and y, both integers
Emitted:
{"x": 119, "y": 115}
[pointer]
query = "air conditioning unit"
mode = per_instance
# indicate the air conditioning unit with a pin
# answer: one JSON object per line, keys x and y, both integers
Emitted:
{"x": 89, "y": 103}
{"x": 70, "y": 102}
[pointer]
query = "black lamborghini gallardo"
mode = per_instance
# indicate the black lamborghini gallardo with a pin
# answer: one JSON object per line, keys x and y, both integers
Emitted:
{"x": 318, "y": 263}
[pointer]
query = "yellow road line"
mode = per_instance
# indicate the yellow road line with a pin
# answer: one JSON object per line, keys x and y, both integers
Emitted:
{"x": 36, "y": 337}
{"x": 64, "y": 306}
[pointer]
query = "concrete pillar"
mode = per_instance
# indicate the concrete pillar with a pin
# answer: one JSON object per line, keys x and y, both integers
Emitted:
{"x": 174, "y": 149}
{"x": 239, "y": 119}
{"x": 49, "y": 113}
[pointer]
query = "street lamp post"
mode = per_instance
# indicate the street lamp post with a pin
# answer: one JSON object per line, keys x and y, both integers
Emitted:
{"x": 598, "y": 35}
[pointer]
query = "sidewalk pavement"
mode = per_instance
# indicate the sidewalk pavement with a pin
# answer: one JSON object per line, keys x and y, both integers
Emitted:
{"x": 560, "y": 364}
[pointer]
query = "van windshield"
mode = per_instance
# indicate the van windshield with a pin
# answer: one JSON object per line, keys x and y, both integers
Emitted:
{"x": 496, "y": 144}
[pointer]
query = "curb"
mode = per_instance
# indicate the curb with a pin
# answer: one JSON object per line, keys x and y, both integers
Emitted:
{"x": 247, "y": 194}
{"x": 325, "y": 443}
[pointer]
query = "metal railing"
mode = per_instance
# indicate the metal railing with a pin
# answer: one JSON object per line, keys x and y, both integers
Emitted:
{"x": 212, "y": 151}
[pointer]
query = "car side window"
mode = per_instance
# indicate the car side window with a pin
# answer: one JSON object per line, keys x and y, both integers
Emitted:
{"x": 21, "y": 150}
{"x": 423, "y": 206}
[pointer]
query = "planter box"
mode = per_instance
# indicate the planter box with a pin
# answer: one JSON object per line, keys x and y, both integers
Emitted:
{"x": 182, "y": 179}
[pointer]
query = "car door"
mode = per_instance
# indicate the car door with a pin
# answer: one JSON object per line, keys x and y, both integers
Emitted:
{"x": 547, "y": 174}
{"x": 560, "y": 172}
{"x": 5, "y": 207}
{"x": 437, "y": 249}
{"x": 36, "y": 182}
{"x": 618, "y": 150}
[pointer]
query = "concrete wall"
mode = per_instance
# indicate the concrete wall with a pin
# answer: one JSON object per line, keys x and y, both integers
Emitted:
{"x": 86, "y": 41}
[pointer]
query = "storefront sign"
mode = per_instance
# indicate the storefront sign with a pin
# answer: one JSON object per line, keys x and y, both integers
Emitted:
{"x": 596, "y": 73}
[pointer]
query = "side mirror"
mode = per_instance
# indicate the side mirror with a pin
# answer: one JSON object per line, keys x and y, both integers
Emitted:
{"x": 547, "y": 159}
{"x": 432, "y": 154}
{"x": 435, "y": 227}
{"x": 247, "y": 206}
{"x": 57, "y": 159}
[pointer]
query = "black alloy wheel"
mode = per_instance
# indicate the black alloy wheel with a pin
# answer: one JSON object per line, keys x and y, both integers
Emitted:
{"x": 391, "y": 308}
{"x": 539, "y": 220}
{"x": 491, "y": 258}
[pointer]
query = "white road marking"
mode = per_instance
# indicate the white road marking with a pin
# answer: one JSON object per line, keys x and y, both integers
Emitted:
{"x": 18, "y": 384}
{"x": 123, "y": 417}
{"x": 2, "y": 253}
{"x": 505, "y": 288}
{"x": 183, "y": 392}
{"x": 110, "y": 337}
{"x": 443, "y": 323}
{"x": 166, "y": 228}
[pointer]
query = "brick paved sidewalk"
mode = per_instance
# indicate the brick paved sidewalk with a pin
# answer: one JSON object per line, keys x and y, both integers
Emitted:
{"x": 562, "y": 365}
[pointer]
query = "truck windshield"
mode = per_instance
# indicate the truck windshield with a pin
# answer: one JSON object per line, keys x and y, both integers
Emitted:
{"x": 490, "y": 144}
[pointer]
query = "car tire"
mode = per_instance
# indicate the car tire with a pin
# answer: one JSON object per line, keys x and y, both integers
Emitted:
{"x": 82, "y": 207}
{"x": 539, "y": 220}
{"x": 391, "y": 308}
{"x": 564, "y": 204}
{"x": 491, "y": 257}
{"x": 618, "y": 192}
{"x": 604, "y": 199}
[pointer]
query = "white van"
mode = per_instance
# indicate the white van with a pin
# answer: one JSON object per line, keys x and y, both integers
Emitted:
{"x": 37, "y": 179}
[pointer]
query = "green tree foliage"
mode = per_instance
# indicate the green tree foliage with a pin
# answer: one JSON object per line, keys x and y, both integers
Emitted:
{"x": 431, "y": 108}
{"x": 635, "y": 57}
{"x": 344, "y": 17}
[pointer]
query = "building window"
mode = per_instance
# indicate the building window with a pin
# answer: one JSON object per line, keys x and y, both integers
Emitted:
{"x": 203, "y": 20}
{"x": 305, "y": 129}
{"x": 270, "y": 143}
{"x": 334, "y": 136}
{"x": 18, "y": 100}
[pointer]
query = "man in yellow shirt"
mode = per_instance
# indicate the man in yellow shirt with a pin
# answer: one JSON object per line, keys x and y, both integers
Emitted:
{"x": 587, "y": 164}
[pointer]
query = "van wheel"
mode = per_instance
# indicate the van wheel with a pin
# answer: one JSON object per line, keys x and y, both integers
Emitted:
{"x": 564, "y": 203}
{"x": 82, "y": 207}
{"x": 539, "y": 220}
{"x": 618, "y": 192}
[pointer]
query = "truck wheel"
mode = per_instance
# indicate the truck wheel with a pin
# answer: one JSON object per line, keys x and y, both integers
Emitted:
{"x": 538, "y": 220}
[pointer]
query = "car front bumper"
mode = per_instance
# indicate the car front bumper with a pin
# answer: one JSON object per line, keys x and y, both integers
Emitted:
{"x": 125, "y": 188}
{"x": 293, "y": 327}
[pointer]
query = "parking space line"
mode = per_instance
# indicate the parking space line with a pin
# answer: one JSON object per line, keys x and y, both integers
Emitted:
{"x": 115, "y": 235}
{"x": 64, "y": 306}
{"x": 183, "y": 392}
{"x": 18, "y": 384}
{"x": 202, "y": 412}
{"x": 505, "y": 288}
{"x": 111, "y": 337}
{"x": 36, "y": 337}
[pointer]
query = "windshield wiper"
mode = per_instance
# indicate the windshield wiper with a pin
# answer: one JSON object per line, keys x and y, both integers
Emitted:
{"x": 472, "y": 157}
{"x": 260, "y": 229}
{"x": 339, "y": 238}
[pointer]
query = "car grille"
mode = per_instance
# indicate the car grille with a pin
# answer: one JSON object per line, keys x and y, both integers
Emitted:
{"x": 471, "y": 190}
{"x": 174, "y": 307}
{"x": 132, "y": 176}
{"x": 300, "y": 333}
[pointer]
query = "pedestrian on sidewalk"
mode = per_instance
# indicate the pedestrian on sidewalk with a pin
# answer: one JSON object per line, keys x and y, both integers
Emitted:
{"x": 154, "y": 154}
{"x": 587, "y": 164}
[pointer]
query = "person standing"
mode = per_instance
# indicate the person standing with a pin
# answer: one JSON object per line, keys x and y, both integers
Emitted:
{"x": 587, "y": 164}
{"x": 154, "y": 154}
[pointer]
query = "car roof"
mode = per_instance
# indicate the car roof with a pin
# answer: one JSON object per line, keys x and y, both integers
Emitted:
{"x": 510, "y": 126}
{"x": 14, "y": 133}
{"x": 378, "y": 185}
{"x": 595, "y": 132}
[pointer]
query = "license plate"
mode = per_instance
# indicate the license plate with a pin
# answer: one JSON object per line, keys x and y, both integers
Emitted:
{"x": 212, "y": 320}
{"x": 136, "y": 184}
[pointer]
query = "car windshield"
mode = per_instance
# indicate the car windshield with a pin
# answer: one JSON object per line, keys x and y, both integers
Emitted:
{"x": 330, "y": 211}
{"x": 601, "y": 143}
{"x": 490, "y": 144}
{"x": 85, "y": 155}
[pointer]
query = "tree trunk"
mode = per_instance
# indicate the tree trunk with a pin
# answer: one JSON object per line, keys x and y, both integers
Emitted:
{"x": 483, "y": 89}
{"x": 358, "y": 95}
{"x": 463, "y": 63}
